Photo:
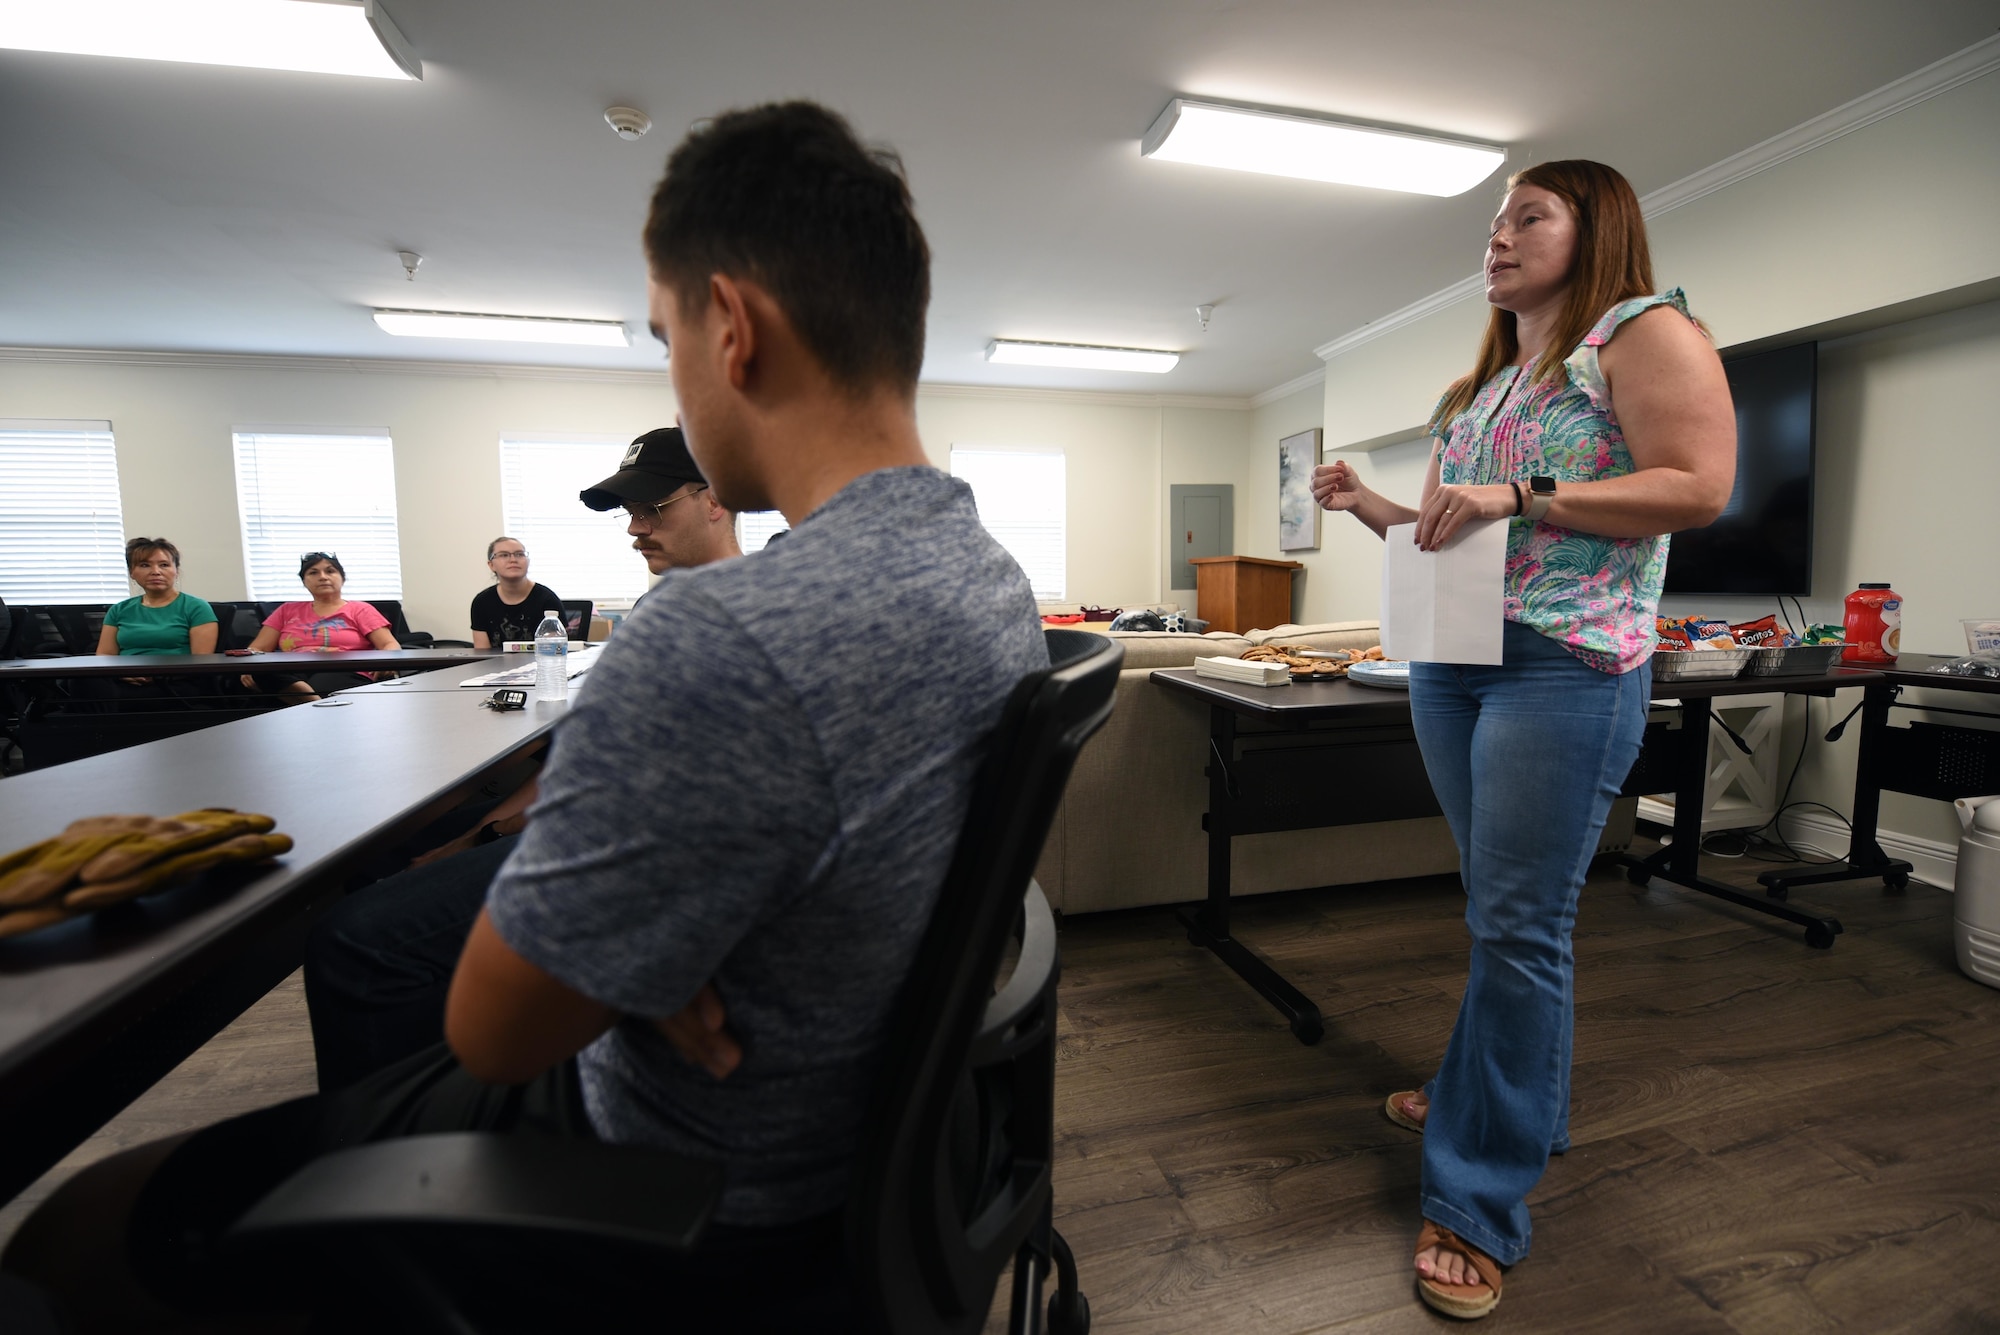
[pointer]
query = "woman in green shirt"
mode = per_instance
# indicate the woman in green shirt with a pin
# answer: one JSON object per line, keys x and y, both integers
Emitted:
{"x": 162, "y": 619}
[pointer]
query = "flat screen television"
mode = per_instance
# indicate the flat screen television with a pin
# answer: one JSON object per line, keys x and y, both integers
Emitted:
{"x": 1762, "y": 544}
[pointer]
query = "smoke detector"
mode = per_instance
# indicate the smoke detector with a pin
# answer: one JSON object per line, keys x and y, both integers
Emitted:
{"x": 1204, "y": 313}
{"x": 410, "y": 260}
{"x": 629, "y": 122}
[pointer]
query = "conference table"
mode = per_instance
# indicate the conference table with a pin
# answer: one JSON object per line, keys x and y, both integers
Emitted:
{"x": 255, "y": 665}
{"x": 1319, "y": 753}
{"x": 95, "y": 1010}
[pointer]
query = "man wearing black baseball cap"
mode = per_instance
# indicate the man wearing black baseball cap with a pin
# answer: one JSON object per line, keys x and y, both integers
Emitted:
{"x": 656, "y": 475}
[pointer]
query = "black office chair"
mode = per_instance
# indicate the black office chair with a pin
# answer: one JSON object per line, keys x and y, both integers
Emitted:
{"x": 952, "y": 1181}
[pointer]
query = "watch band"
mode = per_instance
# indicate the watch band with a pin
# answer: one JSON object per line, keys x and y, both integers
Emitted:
{"x": 1541, "y": 495}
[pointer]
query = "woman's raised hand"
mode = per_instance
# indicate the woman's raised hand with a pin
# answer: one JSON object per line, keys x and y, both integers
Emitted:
{"x": 1451, "y": 508}
{"x": 1336, "y": 486}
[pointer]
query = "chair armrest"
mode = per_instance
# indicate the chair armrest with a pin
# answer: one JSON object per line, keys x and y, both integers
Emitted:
{"x": 1018, "y": 1010}
{"x": 451, "y": 644}
{"x": 415, "y": 639}
{"x": 582, "y": 1189}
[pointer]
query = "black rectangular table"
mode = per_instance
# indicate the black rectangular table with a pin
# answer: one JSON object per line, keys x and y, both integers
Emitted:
{"x": 1271, "y": 750}
{"x": 186, "y": 665}
{"x": 95, "y": 1010}
{"x": 1927, "y": 761}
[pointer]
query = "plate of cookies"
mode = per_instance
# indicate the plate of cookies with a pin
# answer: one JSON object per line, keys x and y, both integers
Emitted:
{"x": 1310, "y": 664}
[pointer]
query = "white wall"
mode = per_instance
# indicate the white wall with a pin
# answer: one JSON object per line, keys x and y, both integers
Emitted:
{"x": 172, "y": 418}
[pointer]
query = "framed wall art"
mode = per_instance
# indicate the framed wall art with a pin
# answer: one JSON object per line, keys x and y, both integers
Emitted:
{"x": 1298, "y": 517}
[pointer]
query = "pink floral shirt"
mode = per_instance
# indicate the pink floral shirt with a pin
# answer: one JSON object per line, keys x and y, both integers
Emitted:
{"x": 1596, "y": 596}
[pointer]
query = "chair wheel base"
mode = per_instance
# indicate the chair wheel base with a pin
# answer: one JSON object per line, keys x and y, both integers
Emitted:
{"x": 1069, "y": 1318}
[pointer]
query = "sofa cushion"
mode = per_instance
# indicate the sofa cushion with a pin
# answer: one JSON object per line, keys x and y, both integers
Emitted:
{"x": 1325, "y": 635}
{"x": 1150, "y": 649}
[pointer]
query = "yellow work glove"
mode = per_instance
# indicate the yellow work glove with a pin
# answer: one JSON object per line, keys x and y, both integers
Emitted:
{"x": 170, "y": 838}
{"x": 170, "y": 871}
{"x": 54, "y": 863}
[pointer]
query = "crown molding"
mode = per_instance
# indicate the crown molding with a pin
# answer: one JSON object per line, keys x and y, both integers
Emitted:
{"x": 1101, "y": 398}
{"x": 1975, "y": 61}
{"x": 1410, "y": 314}
{"x": 1289, "y": 388}
{"x": 244, "y": 361}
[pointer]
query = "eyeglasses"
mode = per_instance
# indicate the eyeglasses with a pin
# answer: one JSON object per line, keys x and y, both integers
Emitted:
{"x": 508, "y": 556}
{"x": 649, "y": 515}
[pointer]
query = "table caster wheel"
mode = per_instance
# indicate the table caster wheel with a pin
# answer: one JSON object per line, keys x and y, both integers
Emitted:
{"x": 1781, "y": 893}
{"x": 1897, "y": 880}
{"x": 1639, "y": 876}
{"x": 1819, "y": 937}
{"x": 1308, "y": 1030}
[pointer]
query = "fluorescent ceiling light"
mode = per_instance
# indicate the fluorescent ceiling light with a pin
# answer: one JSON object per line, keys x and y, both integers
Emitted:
{"x": 505, "y": 328}
{"x": 315, "y": 36}
{"x": 1080, "y": 356}
{"x": 1315, "y": 149}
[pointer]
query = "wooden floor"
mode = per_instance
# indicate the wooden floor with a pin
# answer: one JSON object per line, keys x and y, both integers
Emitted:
{"x": 1767, "y": 1138}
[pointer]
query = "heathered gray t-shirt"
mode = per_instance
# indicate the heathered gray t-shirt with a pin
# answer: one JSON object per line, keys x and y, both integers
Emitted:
{"x": 763, "y": 786}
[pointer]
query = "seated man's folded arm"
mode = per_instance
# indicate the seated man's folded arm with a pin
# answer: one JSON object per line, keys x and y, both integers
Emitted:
{"x": 507, "y": 1020}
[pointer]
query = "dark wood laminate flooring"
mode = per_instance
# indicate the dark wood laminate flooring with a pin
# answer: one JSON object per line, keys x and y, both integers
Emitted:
{"x": 1767, "y": 1138}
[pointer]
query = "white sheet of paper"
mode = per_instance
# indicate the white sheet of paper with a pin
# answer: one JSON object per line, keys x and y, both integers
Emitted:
{"x": 1444, "y": 606}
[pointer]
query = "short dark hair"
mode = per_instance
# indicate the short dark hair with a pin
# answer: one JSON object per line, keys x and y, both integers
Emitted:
{"x": 139, "y": 547}
{"x": 786, "y": 196}
{"x": 311, "y": 559}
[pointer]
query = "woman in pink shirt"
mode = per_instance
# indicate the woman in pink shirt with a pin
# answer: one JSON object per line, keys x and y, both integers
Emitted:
{"x": 328, "y": 623}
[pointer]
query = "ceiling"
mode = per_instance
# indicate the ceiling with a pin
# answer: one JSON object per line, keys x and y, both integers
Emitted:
{"x": 180, "y": 207}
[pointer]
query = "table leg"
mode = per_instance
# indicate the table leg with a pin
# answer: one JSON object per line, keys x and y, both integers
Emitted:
{"x": 1208, "y": 925}
{"x": 1865, "y": 857}
{"x": 1680, "y": 861}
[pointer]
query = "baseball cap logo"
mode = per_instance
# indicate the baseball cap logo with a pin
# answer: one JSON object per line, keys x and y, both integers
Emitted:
{"x": 631, "y": 454}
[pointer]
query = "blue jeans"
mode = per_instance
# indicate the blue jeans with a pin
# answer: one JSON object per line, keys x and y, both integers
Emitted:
{"x": 379, "y": 964}
{"x": 1525, "y": 759}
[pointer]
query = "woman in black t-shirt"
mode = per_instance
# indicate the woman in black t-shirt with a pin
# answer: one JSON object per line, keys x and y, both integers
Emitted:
{"x": 515, "y": 605}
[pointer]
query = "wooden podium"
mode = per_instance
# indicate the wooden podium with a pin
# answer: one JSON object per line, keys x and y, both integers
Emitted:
{"x": 1243, "y": 593}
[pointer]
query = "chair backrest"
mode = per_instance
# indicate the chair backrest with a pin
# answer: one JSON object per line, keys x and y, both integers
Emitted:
{"x": 950, "y": 1179}
{"x": 60, "y": 628}
{"x": 236, "y": 624}
{"x": 392, "y": 609}
{"x": 576, "y": 617}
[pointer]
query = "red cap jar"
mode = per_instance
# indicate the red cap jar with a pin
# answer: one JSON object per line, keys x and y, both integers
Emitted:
{"x": 1874, "y": 625}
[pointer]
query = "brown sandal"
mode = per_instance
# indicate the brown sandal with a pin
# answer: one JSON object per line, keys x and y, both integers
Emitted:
{"x": 1396, "y": 1114}
{"x": 1465, "y": 1301}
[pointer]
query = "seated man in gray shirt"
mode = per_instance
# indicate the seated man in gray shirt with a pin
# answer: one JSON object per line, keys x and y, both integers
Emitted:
{"x": 754, "y": 803}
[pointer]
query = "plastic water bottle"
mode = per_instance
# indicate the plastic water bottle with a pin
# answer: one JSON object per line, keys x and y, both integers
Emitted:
{"x": 551, "y": 659}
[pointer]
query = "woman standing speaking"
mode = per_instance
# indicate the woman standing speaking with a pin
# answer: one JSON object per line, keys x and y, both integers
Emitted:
{"x": 1595, "y": 421}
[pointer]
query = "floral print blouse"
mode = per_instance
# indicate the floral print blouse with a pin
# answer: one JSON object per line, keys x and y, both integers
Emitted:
{"x": 1596, "y": 596}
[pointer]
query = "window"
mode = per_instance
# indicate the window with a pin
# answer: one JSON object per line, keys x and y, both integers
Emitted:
{"x": 318, "y": 491}
{"x": 577, "y": 551}
{"x": 754, "y": 528}
{"x": 1020, "y": 494}
{"x": 62, "y": 530}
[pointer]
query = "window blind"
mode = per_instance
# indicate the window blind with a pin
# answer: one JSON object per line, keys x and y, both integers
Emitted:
{"x": 325, "y": 491}
{"x": 578, "y": 552}
{"x": 1021, "y": 496}
{"x": 755, "y": 527}
{"x": 62, "y": 529}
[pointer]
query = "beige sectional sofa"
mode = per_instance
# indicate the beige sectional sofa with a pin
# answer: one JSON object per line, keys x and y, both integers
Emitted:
{"x": 1129, "y": 830}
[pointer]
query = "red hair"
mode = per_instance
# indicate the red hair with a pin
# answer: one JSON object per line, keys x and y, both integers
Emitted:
{"x": 1613, "y": 263}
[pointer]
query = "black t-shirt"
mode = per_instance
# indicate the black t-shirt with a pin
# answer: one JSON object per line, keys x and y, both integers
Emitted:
{"x": 503, "y": 623}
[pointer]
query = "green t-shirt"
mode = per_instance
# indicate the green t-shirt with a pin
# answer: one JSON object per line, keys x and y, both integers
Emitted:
{"x": 158, "y": 630}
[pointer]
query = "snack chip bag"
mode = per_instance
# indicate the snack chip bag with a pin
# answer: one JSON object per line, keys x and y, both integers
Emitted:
{"x": 1762, "y": 633}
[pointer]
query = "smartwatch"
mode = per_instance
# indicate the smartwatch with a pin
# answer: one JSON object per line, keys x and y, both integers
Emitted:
{"x": 1541, "y": 495}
